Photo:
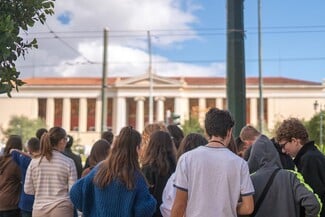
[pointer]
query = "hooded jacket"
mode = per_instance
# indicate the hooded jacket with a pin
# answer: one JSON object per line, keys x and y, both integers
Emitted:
{"x": 288, "y": 193}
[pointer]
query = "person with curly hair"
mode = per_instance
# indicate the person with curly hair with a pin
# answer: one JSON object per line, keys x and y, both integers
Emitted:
{"x": 159, "y": 162}
{"x": 211, "y": 179}
{"x": 293, "y": 138}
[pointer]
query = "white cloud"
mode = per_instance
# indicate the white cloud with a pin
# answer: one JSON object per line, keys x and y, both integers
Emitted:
{"x": 81, "y": 40}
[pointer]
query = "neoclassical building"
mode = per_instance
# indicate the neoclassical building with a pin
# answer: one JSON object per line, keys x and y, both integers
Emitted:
{"x": 75, "y": 103}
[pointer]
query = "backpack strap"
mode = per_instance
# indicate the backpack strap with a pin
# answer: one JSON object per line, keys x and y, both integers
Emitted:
{"x": 265, "y": 190}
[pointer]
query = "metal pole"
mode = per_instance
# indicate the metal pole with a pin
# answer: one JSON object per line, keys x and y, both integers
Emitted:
{"x": 236, "y": 84}
{"x": 260, "y": 79}
{"x": 150, "y": 81}
{"x": 104, "y": 83}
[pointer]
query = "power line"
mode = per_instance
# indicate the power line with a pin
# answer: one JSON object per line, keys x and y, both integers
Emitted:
{"x": 67, "y": 44}
{"x": 179, "y": 30}
{"x": 179, "y": 61}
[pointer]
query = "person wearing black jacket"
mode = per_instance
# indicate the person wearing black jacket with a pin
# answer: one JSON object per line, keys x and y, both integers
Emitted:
{"x": 75, "y": 157}
{"x": 292, "y": 137}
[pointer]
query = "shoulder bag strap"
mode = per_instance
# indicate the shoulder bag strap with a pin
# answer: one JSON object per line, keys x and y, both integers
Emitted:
{"x": 265, "y": 190}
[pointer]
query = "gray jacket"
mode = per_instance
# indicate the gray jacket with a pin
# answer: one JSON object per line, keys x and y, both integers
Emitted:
{"x": 288, "y": 193}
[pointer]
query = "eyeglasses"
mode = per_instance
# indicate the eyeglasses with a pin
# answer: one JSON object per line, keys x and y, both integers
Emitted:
{"x": 282, "y": 146}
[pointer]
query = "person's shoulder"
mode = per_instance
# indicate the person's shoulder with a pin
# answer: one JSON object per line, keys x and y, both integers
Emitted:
{"x": 63, "y": 157}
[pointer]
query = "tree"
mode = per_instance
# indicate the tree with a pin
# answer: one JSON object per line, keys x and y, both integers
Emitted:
{"x": 192, "y": 126}
{"x": 26, "y": 128}
{"x": 16, "y": 16}
{"x": 313, "y": 127}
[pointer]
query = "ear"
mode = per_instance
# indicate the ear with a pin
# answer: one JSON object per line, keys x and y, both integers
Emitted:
{"x": 229, "y": 133}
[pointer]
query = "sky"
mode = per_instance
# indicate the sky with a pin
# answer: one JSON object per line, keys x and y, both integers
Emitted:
{"x": 188, "y": 38}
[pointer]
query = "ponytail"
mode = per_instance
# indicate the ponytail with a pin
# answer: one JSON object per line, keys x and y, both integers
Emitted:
{"x": 50, "y": 140}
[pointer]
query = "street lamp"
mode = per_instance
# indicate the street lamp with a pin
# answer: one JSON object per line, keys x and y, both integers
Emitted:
{"x": 316, "y": 104}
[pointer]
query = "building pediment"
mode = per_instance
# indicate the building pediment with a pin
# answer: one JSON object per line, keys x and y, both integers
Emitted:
{"x": 144, "y": 81}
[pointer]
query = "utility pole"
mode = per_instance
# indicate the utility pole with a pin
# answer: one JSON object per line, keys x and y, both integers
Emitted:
{"x": 104, "y": 83}
{"x": 260, "y": 77}
{"x": 236, "y": 81}
{"x": 150, "y": 80}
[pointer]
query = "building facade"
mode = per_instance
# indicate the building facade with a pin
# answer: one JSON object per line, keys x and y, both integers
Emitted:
{"x": 76, "y": 103}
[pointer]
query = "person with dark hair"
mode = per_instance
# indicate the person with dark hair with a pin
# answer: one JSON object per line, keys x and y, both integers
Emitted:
{"x": 286, "y": 193}
{"x": 159, "y": 162}
{"x": 98, "y": 153}
{"x": 39, "y": 133}
{"x": 50, "y": 176}
{"x": 240, "y": 147}
{"x": 75, "y": 157}
{"x": 146, "y": 133}
{"x": 23, "y": 159}
{"x": 108, "y": 135}
{"x": 211, "y": 179}
{"x": 191, "y": 141}
{"x": 10, "y": 178}
{"x": 176, "y": 133}
{"x": 293, "y": 138}
{"x": 116, "y": 187}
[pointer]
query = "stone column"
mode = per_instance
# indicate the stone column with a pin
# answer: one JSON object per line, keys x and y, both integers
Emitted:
{"x": 139, "y": 119}
{"x": 50, "y": 112}
{"x": 160, "y": 109}
{"x": 181, "y": 107}
{"x": 253, "y": 112}
{"x": 98, "y": 114}
{"x": 219, "y": 103}
{"x": 66, "y": 114}
{"x": 119, "y": 113}
{"x": 82, "y": 115}
{"x": 202, "y": 108}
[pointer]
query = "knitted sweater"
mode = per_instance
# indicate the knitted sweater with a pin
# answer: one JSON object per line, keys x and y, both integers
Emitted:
{"x": 115, "y": 200}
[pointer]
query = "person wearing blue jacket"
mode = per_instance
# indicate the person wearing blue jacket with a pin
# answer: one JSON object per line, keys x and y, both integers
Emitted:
{"x": 288, "y": 193}
{"x": 116, "y": 187}
{"x": 23, "y": 159}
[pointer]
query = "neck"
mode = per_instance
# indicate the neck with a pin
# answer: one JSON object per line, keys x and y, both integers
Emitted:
{"x": 216, "y": 143}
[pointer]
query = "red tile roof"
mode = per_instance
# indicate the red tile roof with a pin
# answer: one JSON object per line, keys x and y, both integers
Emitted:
{"x": 188, "y": 80}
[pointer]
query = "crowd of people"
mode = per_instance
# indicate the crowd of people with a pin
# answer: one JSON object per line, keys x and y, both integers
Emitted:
{"x": 161, "y": 172}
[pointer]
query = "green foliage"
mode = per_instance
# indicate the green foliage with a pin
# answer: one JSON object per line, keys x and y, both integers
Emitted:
{"x": 26, "y": 128}
{"x": 16, "y": 16}
{"x": 313, "y": 126}
{"x": 192, "y": 126}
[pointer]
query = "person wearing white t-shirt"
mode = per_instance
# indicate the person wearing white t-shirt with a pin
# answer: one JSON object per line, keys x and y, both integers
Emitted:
{"x": 211, "y": 180}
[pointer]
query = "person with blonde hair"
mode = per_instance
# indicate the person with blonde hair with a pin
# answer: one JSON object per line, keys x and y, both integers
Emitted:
{"x": 50, "y": 176}
{"x": 116, "y": 187}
